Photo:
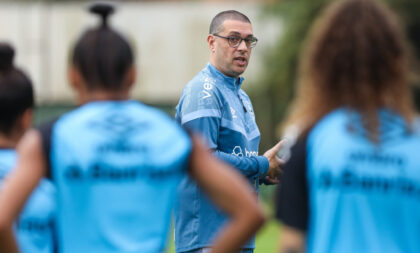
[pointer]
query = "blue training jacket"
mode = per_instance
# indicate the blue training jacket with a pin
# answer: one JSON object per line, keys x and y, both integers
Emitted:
{"x": 116, "y": 166}
{"x": 215, "y": 106}
{"x": 34, "y": 228}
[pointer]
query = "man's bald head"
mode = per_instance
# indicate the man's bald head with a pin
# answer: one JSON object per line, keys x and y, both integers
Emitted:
{"x": 217, "y": 22}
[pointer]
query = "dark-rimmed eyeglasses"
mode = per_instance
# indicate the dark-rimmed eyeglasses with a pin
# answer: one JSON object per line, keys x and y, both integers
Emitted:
{"x": 235, "y": 41}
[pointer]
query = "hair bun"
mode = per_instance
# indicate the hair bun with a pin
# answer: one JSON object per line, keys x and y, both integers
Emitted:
{"x": 7, "y": 54}
{"x": 103, "y": 10}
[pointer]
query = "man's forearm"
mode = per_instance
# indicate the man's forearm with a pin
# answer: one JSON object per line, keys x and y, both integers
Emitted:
{"x": 208, "y": 128}
{"x": 248, "y": 166}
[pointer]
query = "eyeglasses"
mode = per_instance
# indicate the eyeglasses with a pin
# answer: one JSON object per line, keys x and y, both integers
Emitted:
{"x": 235, "y": 41}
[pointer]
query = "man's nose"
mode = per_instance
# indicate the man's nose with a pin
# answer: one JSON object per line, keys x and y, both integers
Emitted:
{"x": 242, "y": 46}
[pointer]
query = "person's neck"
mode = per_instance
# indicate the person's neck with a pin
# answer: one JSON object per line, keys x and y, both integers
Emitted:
{"x": 8, "y": 141}
{"x": 212, "y": 62}
{"x": 101, "y": 95}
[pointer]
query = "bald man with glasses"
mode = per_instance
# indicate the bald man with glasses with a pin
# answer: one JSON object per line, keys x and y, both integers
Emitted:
{"x": 214, "y": 105}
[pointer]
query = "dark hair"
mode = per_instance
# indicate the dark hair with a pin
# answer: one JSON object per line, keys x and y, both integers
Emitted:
{"x": 101, "y": 54}
{"x": 216, "y": 23}
{"x": 16, "y": 92}
{"x": 356, "y": 58}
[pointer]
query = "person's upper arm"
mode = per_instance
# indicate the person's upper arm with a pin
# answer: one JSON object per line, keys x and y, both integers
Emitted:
{"x": 292, "y": 206}
{"x": 200, "y": 110}
{"x": 207, "y": 127}
{"x": 24, "y": 178}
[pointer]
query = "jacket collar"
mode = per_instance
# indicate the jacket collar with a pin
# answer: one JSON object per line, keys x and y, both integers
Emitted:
{"x": 231, "y": 82}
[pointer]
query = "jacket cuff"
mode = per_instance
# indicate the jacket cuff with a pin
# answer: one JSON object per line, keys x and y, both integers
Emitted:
{"x": 263, "y": 165}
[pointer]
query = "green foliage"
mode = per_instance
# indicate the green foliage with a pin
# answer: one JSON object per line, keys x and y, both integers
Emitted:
{"x": 271, "y": 99}
{"x": 273, "y": 95}
{"x": 409, "y": 11}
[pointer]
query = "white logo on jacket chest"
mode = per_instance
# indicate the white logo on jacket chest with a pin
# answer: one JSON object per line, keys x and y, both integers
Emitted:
{"x": 207, "y": 87}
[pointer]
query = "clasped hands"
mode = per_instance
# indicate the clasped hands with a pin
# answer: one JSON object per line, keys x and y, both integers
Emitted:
{"x": 275, "y": 169}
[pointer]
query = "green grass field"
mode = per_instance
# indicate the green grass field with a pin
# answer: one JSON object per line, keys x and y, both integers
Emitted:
{"x": 267, "y": 237}
{"x": 266, "y": 240}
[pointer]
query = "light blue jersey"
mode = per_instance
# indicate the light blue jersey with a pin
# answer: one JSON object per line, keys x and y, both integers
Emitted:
{"x": 362, "y": 197}
{"x": 34, "y": 227}
{"x": 116, "y": 165}
{"x": 215, "y": 106}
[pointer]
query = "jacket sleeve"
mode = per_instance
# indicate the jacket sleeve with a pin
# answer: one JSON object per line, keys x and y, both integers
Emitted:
{"x": 208, "y": 127}
{"x": 200, "y": 110}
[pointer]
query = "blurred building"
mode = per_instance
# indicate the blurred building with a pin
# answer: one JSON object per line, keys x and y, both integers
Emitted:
{"x": 169, "y": 39}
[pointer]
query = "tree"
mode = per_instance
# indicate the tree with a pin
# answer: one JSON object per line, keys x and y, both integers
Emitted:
{"x": 273, "y": 97}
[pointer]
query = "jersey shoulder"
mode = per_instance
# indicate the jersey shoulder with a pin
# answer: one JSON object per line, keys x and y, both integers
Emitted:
{"x": 202, "y": 86}
{"x": 202, "y": 93}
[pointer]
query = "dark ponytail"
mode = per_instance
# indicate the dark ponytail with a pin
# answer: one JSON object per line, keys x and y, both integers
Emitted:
{"x": 102, "y": 55}
{"x": 103, "y": 10}
{"x": 16, "y": 92}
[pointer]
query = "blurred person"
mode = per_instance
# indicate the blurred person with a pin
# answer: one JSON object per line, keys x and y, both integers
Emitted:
{"x": 214, "y": 105}
{"x": 116, "y": 162}
{"x": 352, "y": 183}
{"x": 34, "y": 226}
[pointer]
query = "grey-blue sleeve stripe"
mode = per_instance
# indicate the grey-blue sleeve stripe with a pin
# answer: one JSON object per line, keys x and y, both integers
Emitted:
{"x": 199, "y": 114}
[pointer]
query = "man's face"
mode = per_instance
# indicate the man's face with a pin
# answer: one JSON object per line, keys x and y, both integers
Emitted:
{"x": 227, "y": 59}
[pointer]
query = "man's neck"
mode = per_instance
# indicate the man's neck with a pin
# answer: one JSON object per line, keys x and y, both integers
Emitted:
{"x": 221, "y": 71}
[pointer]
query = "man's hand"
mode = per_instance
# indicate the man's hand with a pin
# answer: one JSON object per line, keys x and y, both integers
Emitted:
{"x": 275, "y": 163}
{"x": 269, "y": 181}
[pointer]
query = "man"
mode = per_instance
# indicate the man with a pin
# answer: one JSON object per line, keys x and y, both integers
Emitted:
{"x": 213, "y": 104}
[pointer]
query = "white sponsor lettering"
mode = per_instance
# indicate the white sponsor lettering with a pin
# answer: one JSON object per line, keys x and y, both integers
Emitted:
{"x": 250, "y": 153}
{"x": 207, "y": 94}
{"x": 208, "y": 85}
{"x": 237, "y": 150}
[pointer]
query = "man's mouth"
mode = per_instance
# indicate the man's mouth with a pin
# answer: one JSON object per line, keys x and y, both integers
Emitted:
{"x": 241, "y": 61}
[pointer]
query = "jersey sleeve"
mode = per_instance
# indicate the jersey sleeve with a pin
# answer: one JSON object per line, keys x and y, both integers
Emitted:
{"x": 292, "y": 194}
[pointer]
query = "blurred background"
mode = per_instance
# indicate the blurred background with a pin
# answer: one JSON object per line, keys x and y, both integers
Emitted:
{"x": 169, "y": 38}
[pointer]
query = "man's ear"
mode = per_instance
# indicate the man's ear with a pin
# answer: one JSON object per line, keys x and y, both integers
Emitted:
{"x": 211, "y": 40}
